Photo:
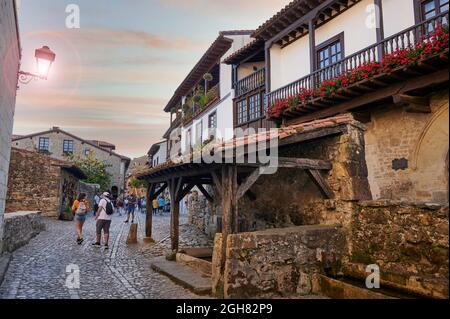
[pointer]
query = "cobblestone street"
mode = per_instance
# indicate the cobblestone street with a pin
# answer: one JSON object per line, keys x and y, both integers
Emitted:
{"x": 38, "y": 270}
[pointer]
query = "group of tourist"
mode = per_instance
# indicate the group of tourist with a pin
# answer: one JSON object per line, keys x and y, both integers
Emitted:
{"x": 103, "y": 211}
{"x": 160, "y": 205}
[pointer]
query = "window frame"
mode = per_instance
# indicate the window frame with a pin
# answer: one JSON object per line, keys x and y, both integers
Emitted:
{"x": 337, "y": 38}
{"x": 69, "y": 142}
{"x": 212, "y": 130}
{"x": 40, "y": 143}
{"x": 247, "y": 98}
{"x": 418, "y": 9}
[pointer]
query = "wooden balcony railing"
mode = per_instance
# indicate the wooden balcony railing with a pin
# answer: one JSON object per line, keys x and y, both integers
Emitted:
{"x": 408, "y": 38}
{"x": 250, "y": 83}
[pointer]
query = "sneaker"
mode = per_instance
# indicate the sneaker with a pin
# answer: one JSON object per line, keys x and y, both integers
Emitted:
{"x": 96, "y": 244}
{"x": 126, "y": 222}
{"x": 80, "y": 241}
{"x": 106, "y": 247}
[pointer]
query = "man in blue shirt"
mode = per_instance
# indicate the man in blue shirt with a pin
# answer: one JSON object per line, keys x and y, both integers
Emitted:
{"x": 161, "y": 204}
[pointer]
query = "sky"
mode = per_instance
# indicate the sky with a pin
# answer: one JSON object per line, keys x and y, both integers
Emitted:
{"x": 113, "y": 76}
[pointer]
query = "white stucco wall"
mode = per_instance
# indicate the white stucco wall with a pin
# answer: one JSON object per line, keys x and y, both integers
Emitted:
{"x": 293, "y": 61}
{"x": 398, "y": 15}
{"x": 289, "y": 63}
{"x": 246, "y": 69}
{"x": 161, "y": 155}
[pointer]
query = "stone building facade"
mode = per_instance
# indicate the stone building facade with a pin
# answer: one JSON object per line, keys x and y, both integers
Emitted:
{"x": 39, "y": 183}
{"x": 59, "y": 144}
{"x": 9, "y": 68}
{"x": 407, "y": 153}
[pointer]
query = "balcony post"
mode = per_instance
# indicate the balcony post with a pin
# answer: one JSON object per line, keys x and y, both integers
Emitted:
{"x": 312, "y": 45}
{"x": 379, "y": 27}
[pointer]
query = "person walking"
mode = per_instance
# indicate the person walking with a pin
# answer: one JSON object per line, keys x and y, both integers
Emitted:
{"x": 161, "y": 204}
{"x": 103, "y": 218}
{"x": 96, "y": 201}
{"x": 132, "y": 201}
{"x": 120, "y": 204}
{"x": 155, "y": 206}
{"x": 80, "y": 209}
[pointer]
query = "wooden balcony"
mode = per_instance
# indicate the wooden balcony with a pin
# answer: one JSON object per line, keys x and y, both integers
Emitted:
{"x": 405, "y": 40}
{"x": 250, "y": 83}
{"x": 212, "y": 98}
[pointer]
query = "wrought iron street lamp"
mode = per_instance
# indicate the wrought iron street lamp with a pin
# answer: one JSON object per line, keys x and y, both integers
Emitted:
{"x": 44, "y": 60}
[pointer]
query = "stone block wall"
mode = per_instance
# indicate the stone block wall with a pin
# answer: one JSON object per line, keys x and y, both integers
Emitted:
{"x": 278, "y": 262}
{"x": 408, "y": 241}
{"x": 34, "y": 183}
{"x": 20, "y": 227}
{"x": 291, "y": 198}
{"x": 9, "y": 67}
{"x": 407, "y": 153}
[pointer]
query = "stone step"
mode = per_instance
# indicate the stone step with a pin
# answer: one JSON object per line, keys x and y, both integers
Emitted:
{"x": 183, "y": 275}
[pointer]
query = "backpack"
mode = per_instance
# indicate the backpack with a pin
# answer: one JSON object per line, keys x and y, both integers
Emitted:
{"x": 109, "y": 208}
{"x": 81, "y": 210}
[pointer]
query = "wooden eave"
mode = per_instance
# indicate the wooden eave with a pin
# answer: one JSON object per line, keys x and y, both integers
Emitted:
{"x": 295, "y": 11}
{"x": 212, "y": 57}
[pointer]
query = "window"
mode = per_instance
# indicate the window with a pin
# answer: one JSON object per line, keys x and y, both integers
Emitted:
{"x": 198, "y": 133}
{"x": 188, "y": 139}
{"x": 44, "y": 144}
{"x": 87, "y": 152}
{"x": 212, "y": 121}
{"x": 254, "y": 103}
{"x": 242, "y": 114}
{"x": 212, "y": 124}
{"x": 427, "y": 9}
{"x": 329, "y": 53}
{"x": 68, "y": 147}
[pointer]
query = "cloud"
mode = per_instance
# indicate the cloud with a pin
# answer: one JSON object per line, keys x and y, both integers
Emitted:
{"x": 108, "y": 38}
{"x": 228, "y": 7}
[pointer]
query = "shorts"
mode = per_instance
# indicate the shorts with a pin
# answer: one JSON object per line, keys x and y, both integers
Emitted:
{"x": 131, "y": 209}
{"x": 80, "y": 218}
{"x": 103, "y": 224}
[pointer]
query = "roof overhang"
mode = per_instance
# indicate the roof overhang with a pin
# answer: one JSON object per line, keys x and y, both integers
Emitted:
{"x": 211, "y": 57}
{"x": 254, "y": 51}
{"x": 291, "y": 23}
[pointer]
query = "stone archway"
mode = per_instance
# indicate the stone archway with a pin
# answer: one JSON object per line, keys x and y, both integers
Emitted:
{"x": 430, "y": 157}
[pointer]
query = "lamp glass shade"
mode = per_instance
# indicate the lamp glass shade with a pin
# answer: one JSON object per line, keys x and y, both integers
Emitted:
{"x": 44, "y": 59}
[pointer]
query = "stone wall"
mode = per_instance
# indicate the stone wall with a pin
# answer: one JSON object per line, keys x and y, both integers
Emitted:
{"x": 407, "y": 153}
{"x": 278, "y": 262}
{"x": 36, "y": 183}
{"x": 409, "y": 242}
{"x": 20, "y": 227}
{"x": 291, "y": 198}
{"x": 9, "y": 67}
{"x": 201, "y": 213}
{"x": 56, "y": 140}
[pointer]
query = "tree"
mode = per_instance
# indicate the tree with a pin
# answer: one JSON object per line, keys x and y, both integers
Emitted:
{"x": 94, "y": 169}
{"x": 136, "y": 183}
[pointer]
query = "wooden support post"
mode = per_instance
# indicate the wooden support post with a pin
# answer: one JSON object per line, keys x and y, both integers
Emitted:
{"x": 174, "y": 187}
{"x": 413, "y": 104}
{"x": 229, "y": 207}
{"x": 149, "y": 215}
{"x": 321, "y": 183}
{"x": 248, "y": 183}
{"x": 205, "y": 193}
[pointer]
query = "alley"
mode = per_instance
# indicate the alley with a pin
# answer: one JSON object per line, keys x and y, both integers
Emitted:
{"x": 38, "y": 270}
